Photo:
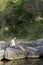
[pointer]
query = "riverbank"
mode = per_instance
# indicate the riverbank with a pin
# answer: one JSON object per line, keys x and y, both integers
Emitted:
{"x": 33, "y": 49}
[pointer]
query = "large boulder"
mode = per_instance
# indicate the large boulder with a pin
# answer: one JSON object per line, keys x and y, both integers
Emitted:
{"x": 32, "y": 52}
{"x": 29, "y": 44}
{"x": 1, "y": 54}
{"x": 4, "y": 44}
{"x": 40, "y": 50}
{"x": 32, "y": 44}
{"x": 40, "y": 40}
{"x": 39, "y": 43}
{"x": 12, "y": 54}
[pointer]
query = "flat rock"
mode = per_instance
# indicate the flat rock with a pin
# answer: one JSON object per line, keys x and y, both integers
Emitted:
{"x": 32, "y": 52}
{"x": 40, "y": 50}
{"x": 39, "y": 43}
{"x": 12, "y": 54}
{"x": 40, "y": 40}
{"x": 1, "y": 54}
{"x": 29, "y": 44}
{"x": 4, "y": 44}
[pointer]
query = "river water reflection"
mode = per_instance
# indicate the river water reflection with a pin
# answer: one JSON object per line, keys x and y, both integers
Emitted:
{"x": 23, "y": 62}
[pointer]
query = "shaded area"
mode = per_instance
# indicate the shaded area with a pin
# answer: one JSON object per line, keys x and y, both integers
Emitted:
{"x": 21, "y": 18}
{"x": 23, "y": 62}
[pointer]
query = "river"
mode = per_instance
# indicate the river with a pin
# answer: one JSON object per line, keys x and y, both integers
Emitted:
{"x": 23, "y": 62}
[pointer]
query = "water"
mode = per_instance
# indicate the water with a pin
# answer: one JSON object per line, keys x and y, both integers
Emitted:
{"x": 23, "y": 62}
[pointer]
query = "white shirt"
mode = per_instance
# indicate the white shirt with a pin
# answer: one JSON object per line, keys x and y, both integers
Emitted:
{"x": 13, "y": 42}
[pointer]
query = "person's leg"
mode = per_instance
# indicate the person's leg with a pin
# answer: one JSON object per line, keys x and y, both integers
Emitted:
{"x": 21, "y": 47}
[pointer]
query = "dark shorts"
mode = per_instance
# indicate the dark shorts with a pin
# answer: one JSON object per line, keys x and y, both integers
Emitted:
{"x": 16, "y": 46}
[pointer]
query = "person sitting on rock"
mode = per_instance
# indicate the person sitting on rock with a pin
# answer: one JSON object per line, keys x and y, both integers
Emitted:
{"x": 14, "y": 45}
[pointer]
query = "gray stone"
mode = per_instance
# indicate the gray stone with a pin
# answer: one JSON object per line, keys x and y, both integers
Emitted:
{"x": 29, "y": 44}
{"x": 12, "y": 54}
{"x": 40, "y": 50}
{"x": 32, "y": 52}
{"x": 40, "y": 40}
{"x": 4, "y": 44}
{"x": 1, "y": 54}
{"x": 39, "y": 43}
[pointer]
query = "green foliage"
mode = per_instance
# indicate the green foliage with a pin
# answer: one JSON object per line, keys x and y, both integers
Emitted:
{"x": 15, "y": 20}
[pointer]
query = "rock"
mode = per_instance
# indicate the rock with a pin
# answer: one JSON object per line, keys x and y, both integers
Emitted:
{"x": 4, "y": 45}
{"x": 12, "y": 54}
{"x": 35, "y": 43}
{"x": 32, "y": 52}
{"x": 32, "y": 44}
{"x": 1, "y": 54}
{"x": 40, "y": 50}
{"x": 40, "y": 40}
{"x": 29, "y": 44}
{"x": 39, "y": 43}
{"x": 2, "y": 41}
